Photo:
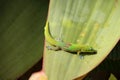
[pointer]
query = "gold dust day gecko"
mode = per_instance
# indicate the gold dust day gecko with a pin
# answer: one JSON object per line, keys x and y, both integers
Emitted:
{"x": 69, "y": 47}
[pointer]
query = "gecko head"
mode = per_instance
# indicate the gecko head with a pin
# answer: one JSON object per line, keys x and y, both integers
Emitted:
{"x": 89, "y": 49}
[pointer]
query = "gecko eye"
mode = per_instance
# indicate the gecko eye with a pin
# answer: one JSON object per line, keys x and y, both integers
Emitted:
{"x": 90, "y": 49}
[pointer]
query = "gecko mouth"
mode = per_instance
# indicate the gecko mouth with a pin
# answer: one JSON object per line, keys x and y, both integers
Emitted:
{"x": 84, "y": 53}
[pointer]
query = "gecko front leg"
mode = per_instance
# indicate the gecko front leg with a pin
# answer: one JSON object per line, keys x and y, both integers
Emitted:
{"x": 78, "y": 52}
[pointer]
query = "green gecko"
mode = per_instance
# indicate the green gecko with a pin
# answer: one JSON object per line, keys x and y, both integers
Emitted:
{"x": 69, "y": 47}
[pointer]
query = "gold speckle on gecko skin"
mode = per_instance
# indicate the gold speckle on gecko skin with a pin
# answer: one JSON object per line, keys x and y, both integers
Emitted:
{"x": 82, "y": 34}
{"x": 78, "y": 41}
{"x": 96, "y": 25}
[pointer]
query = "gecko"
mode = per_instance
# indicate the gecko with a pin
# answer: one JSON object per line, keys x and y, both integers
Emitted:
{"x": 68, "y": 47}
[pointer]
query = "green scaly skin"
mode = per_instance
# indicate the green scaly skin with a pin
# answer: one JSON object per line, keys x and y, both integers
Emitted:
{"x": 70, "y": 47}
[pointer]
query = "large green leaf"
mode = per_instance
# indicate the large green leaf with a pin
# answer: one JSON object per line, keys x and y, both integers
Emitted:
{"x": 21, "y": 35}
{"x": 91, "y": 22}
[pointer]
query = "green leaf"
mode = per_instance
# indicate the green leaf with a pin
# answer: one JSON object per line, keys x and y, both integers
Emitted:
{"x": 112, "y": 77}
{"x": 90, "y": 22}
{"x": 21, "y": 35}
